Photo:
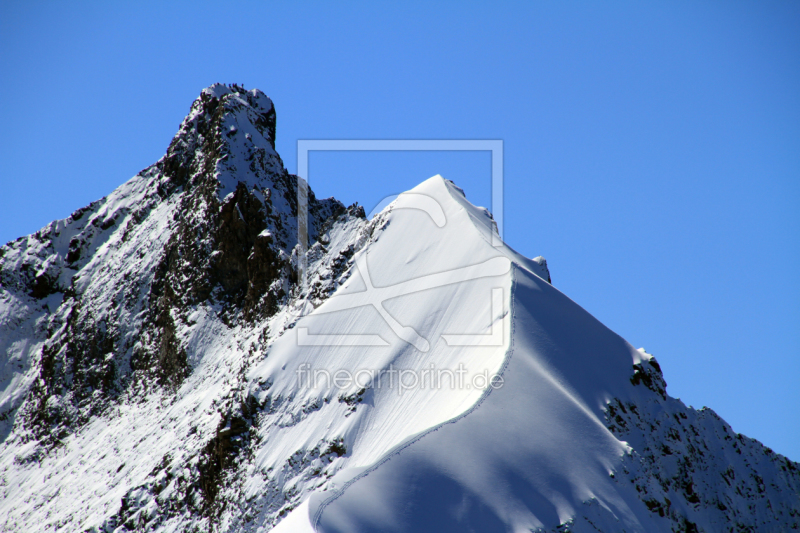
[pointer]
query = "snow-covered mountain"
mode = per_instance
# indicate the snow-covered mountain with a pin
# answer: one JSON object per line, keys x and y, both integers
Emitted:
{"x": 174, "y": 358}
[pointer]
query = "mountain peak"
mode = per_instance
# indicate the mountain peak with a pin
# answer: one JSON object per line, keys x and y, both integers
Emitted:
{"x": 227, "y": 137}
{"x": 251, "y": 106}
{"x": 171, "y": 358}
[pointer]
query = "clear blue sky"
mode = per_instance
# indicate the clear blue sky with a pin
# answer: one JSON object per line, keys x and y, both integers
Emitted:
{"x": 652, "y": 149}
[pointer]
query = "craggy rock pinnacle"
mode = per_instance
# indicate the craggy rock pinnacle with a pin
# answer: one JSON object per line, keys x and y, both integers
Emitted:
{"x": 213, "y": 223}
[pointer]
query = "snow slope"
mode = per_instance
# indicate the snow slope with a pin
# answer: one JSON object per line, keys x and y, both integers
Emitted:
{"x": 166, "y": 368}
{"x": 539, "y": 452}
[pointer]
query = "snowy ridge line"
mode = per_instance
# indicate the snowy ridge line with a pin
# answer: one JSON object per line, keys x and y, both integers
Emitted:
{"x": 506, "y": 360}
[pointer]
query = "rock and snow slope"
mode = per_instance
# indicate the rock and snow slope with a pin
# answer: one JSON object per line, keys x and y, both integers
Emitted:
{"x": 166, "y": 368}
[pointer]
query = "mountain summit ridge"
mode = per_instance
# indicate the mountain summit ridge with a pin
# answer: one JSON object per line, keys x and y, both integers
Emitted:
{"x": 160, "y": 351}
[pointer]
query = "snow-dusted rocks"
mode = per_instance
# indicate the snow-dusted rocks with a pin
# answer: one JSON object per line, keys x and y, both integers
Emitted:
{"x": 123, "y": 301}
{"x": 166, "y": 367}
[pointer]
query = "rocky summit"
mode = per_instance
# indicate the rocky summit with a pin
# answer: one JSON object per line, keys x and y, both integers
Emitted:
{"x": 189, "y": 354}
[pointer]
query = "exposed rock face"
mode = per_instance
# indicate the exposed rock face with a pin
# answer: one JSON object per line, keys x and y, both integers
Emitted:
{"x": 131, "y": 332}
{"x": 691, "y": 468}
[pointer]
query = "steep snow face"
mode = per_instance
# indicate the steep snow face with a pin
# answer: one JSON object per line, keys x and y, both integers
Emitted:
{"x": 544, "y": 452}
{"x": 528, "y": 456}
{"x": 165, "y": 368}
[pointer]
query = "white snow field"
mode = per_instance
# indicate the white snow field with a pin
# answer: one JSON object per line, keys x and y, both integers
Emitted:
{"x": 424, "y": 378}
